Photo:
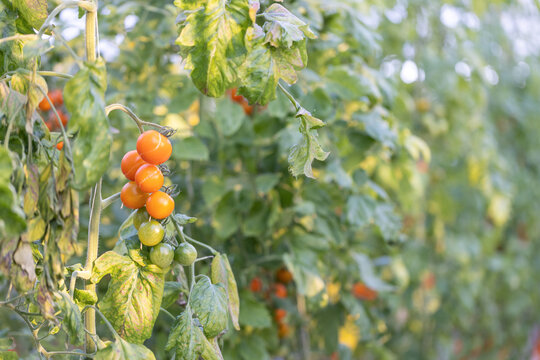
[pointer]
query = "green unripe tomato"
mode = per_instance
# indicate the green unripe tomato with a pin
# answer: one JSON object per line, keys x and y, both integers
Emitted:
{"x": 162, "y": 255}
{"x": 141, "y": 216}
{"x": 151, "y": 233}
{"x": 185, "y": 254}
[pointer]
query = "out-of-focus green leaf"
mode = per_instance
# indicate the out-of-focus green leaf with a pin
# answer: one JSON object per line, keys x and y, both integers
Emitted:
{"x": 72, "y": 318}
{"x": 190, "y": 148}
{"x": 84, "y": 98}
{"x": 123, "y": 350}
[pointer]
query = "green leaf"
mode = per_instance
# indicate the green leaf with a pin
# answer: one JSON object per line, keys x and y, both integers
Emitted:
{"x": 303, "y": 266}
{"x": 184, "y": 219}
{"x": 209, "y": 302}
{"x": 188, "y": 339}
{"x": 34, "y": 12}
{"x": 283, "y": 28}
{"x": 253, "y": 347}
{"x": 84, "y": 98}
{"x": 222, "y": 273}
{"x": 73, "y": 323}
{"x": 377, "y": 128}
{"x": 171, "y": 292}
{"x": 253, "y": 313}
{"x": 190, "y": 148}
{"x": 301, "y": 155}
{"x": 367, "y": 273}
{"x": 265, "y": 65}
{"x": 133, "y": 297}
{"x": 387, "y": 221}
{"x": 212, "y": 42}
{"x": 229, "y": 117}
{"x": 85, "y": 297}
{"x": 22, "y": 83}
{"x": 123, "y": 350}
{"x": 226, "y": 219}
{"x": 12, "y": 219}
{"x": 360, "y": 210}
{"x": 266, "y": 182}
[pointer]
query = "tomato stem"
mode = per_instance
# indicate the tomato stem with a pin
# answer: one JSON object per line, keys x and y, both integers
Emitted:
{"x": 132, "y": 115}
{"x": 108, "y": 201}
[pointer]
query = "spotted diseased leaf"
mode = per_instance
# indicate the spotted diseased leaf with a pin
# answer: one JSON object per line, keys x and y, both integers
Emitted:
{"x": 23, "y": 84}
{"x": 133, "y": 297}
{"x": 209, "y": 302}
{"x": 123, "y": 350}
{"x": 301, "y": 155}
{"x": 34, "y": 12}
{"x": 72, "y": 318}
{"x": 45, "y": 301}
{"x": 188, "y": 340}
{"x": 212, "y": 42}
{"x": 84, "y": 99}
{"x": 283, "y": 28}
{"x": 222, "y": 273}
{"x": 265, "y": 65}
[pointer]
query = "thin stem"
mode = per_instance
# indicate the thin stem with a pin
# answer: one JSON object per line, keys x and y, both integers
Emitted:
{"x": 56, "y": 74}
{"x": 183, "y": 236}
{"x": 105, "y": 320}
{"x": 192, "y": 278}
{"x": 291, "y": 98}
{"x": 16, "y": 298}
{"x": 132, "y": 115}
{"x": 86, "y": 5}
{"x": 167, "y": 313}
{"x": 204, "y": 258}
{"x": 59, "y": 37}
{"x": 128, "y": 111}
{"x": 19, "y": 37}
{"x": 91, "y": 256}
{"x": 108, "y": 201}
{"x": 212, "y": 250}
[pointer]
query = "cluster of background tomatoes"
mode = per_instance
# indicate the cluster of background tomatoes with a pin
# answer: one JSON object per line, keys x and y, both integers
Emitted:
{"x": 142, "y": 192}
{"x": 58, "y": 101}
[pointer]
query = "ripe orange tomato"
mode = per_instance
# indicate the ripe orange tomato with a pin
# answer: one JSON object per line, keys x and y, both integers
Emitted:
{"x": 154, "y": 147}
{"x": 149, "y": 178}
{"x": 54, "y": 120}
{"x": 235, "y": 97}
{"x": 131, "y": 162}
{"x": 44, "y": 105}
{"x": 280, "y": 291}
{"x": 159, "y": 205}
{"x": 279, "y": 315}
{"x": 363, "y": 292}
{"x": 283, "y": 330}
{"x": 256, "y": 285}
{"x": 49, "y": 125}
{"x": 56, "y": 97}
{"x": 60, "y": 145}
{"x": 132, "y": 197}
{"x": 284, "y": 276}
{"x": 248, "y": 109}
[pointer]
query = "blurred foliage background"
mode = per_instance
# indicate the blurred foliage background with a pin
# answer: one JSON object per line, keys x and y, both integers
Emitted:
{"x": 429, "y": 196}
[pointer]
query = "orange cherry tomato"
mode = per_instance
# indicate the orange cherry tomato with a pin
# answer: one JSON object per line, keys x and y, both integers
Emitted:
{"x": 49, "y": 125}
{"x": 283, "y": 330}
{"x": 44, "y": 105}
{"x": 56, "y": 97}
{"x": 149, "y": 178}
{"x": 280, "y": 291}
{"x": 363, "y": 292}
{"x": 60, "y": 145}
{"x": 279, "y": 315}
{"x": 131, "y": 162}
{"x": 159, "y": 205}
{"x": 248, "y": 109}
{"x": 284, "y": 276}
{"x": 235, "y": 97}
{"x": 132, "y": 197}
{"x": 154, "y": 147}
{"x": 54, "y": 120}
{"x": 256, "y": 285}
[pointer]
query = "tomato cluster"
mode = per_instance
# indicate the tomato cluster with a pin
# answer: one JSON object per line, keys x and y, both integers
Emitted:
{"x": 58, "y": 101}
{"x": 239, "y": 99}
{"x": 278, "y": 292}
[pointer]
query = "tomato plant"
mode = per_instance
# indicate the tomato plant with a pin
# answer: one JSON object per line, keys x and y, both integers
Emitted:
{"x": 369, "y": 168}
